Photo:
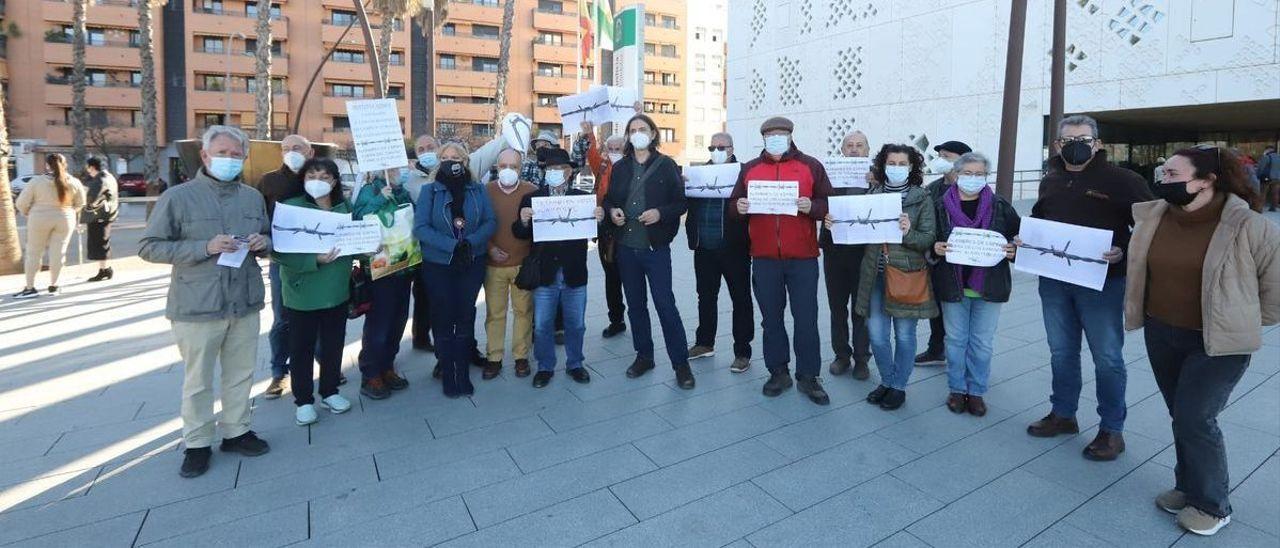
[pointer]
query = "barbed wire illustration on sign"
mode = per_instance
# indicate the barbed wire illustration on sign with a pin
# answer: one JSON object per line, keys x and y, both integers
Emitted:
{"x": 1062, "y": 253}
{"x": 304, "y": 230}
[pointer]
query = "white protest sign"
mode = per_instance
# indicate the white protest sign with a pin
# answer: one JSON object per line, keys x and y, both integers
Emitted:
{"x": 772, "y": 197}
{"x": 376, "y": 133}
{"x": 866, "y": 219}
{"x": 847, "y": 172}
{"x": 620, "y": 108}
{"x": 303, "y": 230}
{"x": 975, "y": 247}
{"x": 559, "y": 218}
{"x": 235, "y": 258}
{"x": 575, "y": 109}
{"x": 712, "y": 181}
{"x": 1064, "y": 252}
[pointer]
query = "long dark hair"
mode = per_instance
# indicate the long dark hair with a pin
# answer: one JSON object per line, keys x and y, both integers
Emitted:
{"x": 1228, "y": 171}
{"x": 915, "y": 178}
{"x": 630, "y": 150}
{"x": 57, "y": 165}
{"x": 328, "y": 166}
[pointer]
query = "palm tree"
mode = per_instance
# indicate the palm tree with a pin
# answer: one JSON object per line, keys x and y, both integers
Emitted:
{"x": 504, "y": 62}
{"x": 78, "y": 113}
{"x": 10, "y": 248}
{"x": 390, "y": 11}
{"x": 147, "y": 57}
{"x": 429, "y": 19}
{"x": 262, "y": 77}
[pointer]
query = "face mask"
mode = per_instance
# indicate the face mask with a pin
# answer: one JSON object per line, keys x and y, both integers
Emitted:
{"x": 777, "y": 145}
{"x": 940, "y": 165}
{"x": 554, "y": 177}
{"x": 971, "y": 184}
{"x": 897, "y": 174}
{"x": 428, "y": 160}
{"x": 225, "y": 169}
{"x": 1175, "y": 193}
{"x": 719, "y": 156}
{"x": 508, "y": 177}
{"x": 1077, "y": 153}
{"x": 615, "y": 157}
{"x": 317, "y": 188}
{"x": 403, "y": 178}
{"x": 294, "y": 160}
{"x": 641, "y": 140}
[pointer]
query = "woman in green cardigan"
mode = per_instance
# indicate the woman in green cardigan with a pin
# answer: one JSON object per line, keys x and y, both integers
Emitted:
{"x": 315, "y": 291}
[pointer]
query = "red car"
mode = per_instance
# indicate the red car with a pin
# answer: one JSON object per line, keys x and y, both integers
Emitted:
{"x": 132, "y": 184}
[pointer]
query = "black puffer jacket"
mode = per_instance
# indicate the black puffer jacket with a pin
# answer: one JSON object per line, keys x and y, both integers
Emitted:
{"x": 999, "y": 282}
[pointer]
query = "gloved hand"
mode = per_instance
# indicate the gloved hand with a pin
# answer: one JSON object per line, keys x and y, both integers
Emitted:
{"x": 462, "y": 253}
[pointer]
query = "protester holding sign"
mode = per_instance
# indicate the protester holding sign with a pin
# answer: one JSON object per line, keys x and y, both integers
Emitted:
{"x": 943, "y": 165}
{"x": 893, "y": 292}
{"x": 971, "y": 295}
{"x": 842, "y": 272}
{"x": 586, "y": 151}
{"x": 384, "y": 324}
{"x": 506, "y": 253}
{"x": 784, "y": 253}
{"x": 315, "y": 289}
{"x": 453, "y": 224}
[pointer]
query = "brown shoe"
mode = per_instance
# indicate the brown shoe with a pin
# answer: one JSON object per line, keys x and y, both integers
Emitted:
{"x": 976, "y": 406}
{"x": 522, "y": 368}
{"x": 275, "y": 389}
{"x": 491, "y": 370}
{"x": 956, "y": 402}
{"x": 394, "y": 381}
{"x": 860, "y": 370}
{"x": 1052, "y": 425}
{"x": 1107, "y": 446}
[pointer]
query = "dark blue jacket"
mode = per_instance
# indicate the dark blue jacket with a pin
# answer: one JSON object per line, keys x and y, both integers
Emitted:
{"x": 433, "y": 222}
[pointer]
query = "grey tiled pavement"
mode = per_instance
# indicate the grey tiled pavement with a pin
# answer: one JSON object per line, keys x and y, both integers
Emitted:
{"x": 89, "y": 393}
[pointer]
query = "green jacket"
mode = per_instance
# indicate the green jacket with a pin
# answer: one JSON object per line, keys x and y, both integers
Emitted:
{"x": 307, "y": 285}
{"x": 370, "y": 201}
{"x": 908, "y": 257}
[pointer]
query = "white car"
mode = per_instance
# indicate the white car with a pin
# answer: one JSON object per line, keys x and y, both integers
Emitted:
{"x": 17, "y": 185}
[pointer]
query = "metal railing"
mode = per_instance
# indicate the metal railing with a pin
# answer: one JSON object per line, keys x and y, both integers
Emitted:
{"x": 237, "y": 88}
{"x": 222, "y": 50}
{"x": 58, "y": 38}
{"x": 234, "y": 13}
{"x": 66, "y": 81}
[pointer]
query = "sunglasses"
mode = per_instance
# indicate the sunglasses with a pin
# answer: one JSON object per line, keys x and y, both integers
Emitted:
{"x": 720, "y": 148}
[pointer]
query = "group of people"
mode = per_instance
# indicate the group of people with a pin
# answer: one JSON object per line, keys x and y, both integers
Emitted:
{"x": 54, "y": 203}
{"x": 1197, "y": 268}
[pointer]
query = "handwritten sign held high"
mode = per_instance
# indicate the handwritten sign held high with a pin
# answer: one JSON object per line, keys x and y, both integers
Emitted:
{"x": 377, "y": 135}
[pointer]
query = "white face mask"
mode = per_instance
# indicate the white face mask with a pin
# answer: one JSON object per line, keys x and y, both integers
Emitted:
{"x": 294, "y": 160}
{"x": 897, "y": 174}
{"x": 615, "y": 157}
{"x": 971, "y": 184}
{"x": 317, "y": 188}
{"x": 940, "y": 165}
{"x": 719, "y": 156}
{"x": 508, "y": 177}
{"x": 777, "y": 145}
{"x": 554, "y": 177}
{"x": 225, "y": 169}
{"x": 641, "y": 140}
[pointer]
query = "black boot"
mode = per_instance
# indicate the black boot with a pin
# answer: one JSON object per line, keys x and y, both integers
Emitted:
{"x": 103, "y": 274}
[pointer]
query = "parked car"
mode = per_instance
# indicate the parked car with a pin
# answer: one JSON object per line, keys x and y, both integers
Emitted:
{"x": 17, "y": 185}
{"x": 132, "y": 184}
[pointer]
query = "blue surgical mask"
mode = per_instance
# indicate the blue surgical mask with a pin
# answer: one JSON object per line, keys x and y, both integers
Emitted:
{"x": 897, "y": 174}
{"x": 403, "y": 178}
{"x": 428, "y": 160}
{"x": 225, "y": 169}
{"x": 971, "y": 184}
{"x": 777, "y": 145}
{"x": 554, "y": 177}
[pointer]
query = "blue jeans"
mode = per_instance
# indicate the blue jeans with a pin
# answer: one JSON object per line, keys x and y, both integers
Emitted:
{"x": 384, "y": 325}
{"x": 572, "y": 303}
{"x": 971, "y": 328}
{"x": 1069, "y": 310}
{"x": 452, "y": 290}
{"x": 895, "y": 359}
{"x": 278, "y": 337}
{"x": 654, "y": 266}
{"x": 774, "y": 281}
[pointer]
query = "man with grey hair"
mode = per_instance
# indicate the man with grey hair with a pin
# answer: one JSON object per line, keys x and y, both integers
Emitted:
{"x": 841, "y": 271}
{"x": 275, "y": 186}
{"x": 1082, "y": 188}
{"x": 204, "y": 228}
{"x": 720, "y": 250}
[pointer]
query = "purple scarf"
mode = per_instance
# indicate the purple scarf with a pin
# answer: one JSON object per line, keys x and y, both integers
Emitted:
{"x": 986, "y": 203}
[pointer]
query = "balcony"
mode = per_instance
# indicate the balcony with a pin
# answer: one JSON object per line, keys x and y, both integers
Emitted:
{"x": 109, "y": 95}
{"x": 112, "y": 13}
{"x": 59, "y": 133}
{"x": 561, "y": 21}
{"x": 108, "y": 53}
{"x": 673, "y": 92}
{"x": 229, "y": 22}
{"x": 555, "y": 53}
{"x": 215, "y": 60}
{"x": 664, "y": 63}
{"x": 462, "y": 10}
{"x": 546, "y": 115}
{"x": 482, "y": 46}
{"x": 465, "y": 80}
{"x": 470, "y": 112}
{"x": 561, "y": 85}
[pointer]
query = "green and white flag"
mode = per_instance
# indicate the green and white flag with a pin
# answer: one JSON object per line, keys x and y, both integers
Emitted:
{"x": 602, "y": 17}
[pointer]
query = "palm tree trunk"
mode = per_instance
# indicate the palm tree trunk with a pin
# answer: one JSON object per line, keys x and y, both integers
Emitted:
{"x": 147, "y": 57}
{"x": 10, "y": 248}
{"x": 504, "y": 63}
{"x": 385, "y": 35}
{"x": 262, "y": 69}
{"x": 78, "y": 112}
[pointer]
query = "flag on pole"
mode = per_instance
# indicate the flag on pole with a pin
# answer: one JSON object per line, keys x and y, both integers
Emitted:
{"x": 586, "y": 34}
{"x": 602, "y": 15}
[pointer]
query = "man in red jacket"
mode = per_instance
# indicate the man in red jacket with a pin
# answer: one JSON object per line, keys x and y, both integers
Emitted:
{"x": 784, "y": 252}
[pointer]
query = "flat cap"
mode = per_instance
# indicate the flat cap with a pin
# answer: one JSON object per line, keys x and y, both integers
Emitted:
{"x": 776, "y": 123}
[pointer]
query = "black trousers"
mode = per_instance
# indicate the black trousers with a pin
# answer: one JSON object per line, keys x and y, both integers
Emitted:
{"x": 612, "y": 289}
{"x": 1196, "y": 388}
{"x": 98, "y": 241}
{"x": 842, "y": 272}
{"x": 421, "y": 313}
{"x": 709, "y": 266}
{"x": 309, "y": 329}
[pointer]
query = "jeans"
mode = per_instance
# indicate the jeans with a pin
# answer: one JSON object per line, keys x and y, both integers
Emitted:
{"x": 278, "y": 337}
{"x": 971, "y": 328}
{"x": 842, "y": 272}
{"x": 501, "y": 295}
{"x": 654, "y": 266}
{"x": 571, "y": 302}
{"x": 384, "y": 325}
{"x": 453, "y": 290}
{"x": 1195, "y": 387}
{"x": 775, "y": 280}
{"x": 1069, "y": 309}
{"x": 328, "y": 329}
{"x": 895, "y": 359}
{"x": 612, "y": 288}
{"x": 709, "y": 266}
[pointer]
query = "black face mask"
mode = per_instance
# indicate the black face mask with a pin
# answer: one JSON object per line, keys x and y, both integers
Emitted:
{"x": 1174, "y": 193}
{"x": 1077, "y": 153}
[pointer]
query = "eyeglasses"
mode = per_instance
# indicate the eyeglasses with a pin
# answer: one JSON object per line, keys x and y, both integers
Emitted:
{"x": 968, "y": 173}
{"x": 720, "y": 148}
{"x": 1081, "y": 139}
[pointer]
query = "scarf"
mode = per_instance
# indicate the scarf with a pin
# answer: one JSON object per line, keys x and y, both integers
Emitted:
{"x": 986, "y": 209}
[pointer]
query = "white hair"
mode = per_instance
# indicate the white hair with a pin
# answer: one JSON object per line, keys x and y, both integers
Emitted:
{"x": 1079, "y": 120}
{"x": 304, "y": 140}
{"x": 214, "y": 132}
{"x": 723, "y": 134}
{"x": 615, "y": 139}
{"x": 971, "y": 158}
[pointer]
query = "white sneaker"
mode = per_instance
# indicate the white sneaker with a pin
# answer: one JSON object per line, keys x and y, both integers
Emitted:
{"x": 336, "y": 404}
{"x": 306, "y": 414}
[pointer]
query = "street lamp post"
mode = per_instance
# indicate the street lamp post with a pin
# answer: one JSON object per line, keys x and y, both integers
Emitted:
{"x": 226, "y": 79}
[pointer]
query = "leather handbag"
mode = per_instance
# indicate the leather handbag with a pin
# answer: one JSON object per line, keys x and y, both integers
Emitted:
{"x": 361, "y": 299}
{"x": 530, "y": 275}
{"x": 904, "y": 287}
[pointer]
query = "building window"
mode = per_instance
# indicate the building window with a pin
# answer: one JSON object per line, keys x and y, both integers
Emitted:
{"x": 650, "y": 77}
{"x": 717, "y": 62}
{"x": 448, "y": 62}
{"x": 550, "y": 70}
{"x": 251, "y": 9}
{"x": 348, "y": 56}
{"x": 699, "y": 141}
{"x": 669, "y": 50}
{"x": 700, "y": 62}
{"x": 348, "y": 90}
{"x": 699, "y": 114}
{"x": 482, "y": 130}
{"x": 211, "y": 6}
{"x": 209, "y": 119}
{"x": 551, "y": 6}
{"x": 212, "y": 44}
{"x": 650, "y": 49}
{"x": 341, "y": 17}
{"x": 484, "y": 31}
{"x": 483, "y": 100}
{"x": 700, "y": 87}
{"x": 486, "y": 3}
{"x": 550, "y": 38}
{"x": 716, "y": 36}
{"x": 669, "y": 79}
{"x": 135, "y": 78}
{"x": 669, "y": 22}
{"x": 210, "y": 82}
{"x": 545, "y": 100}
{"x": 396, "y": 58}
{"x": 484, "y": 64}
{"x": 650, "y": 19}
{"x": 668, "y": 134}
{"x": 396, "y": 92}
{"x": 449, "y": 29}
{"x": 649, "y": 107}
{"x": 447, "y": 99}
{"x": 446, "y": 129}
{"x": 699, "y": 32}
{"x": 341, "y": 123}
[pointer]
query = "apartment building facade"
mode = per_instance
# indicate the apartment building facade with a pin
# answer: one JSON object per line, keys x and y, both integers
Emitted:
{"x": 705, "y": 66}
